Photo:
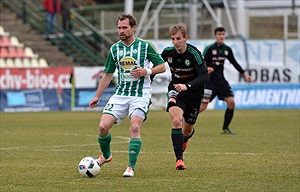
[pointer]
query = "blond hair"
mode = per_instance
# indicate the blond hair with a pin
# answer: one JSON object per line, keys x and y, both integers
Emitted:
{"x": 181, "y": 27}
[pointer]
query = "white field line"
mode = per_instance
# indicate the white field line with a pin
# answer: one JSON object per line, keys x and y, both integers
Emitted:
{"x": 126, "y": 140}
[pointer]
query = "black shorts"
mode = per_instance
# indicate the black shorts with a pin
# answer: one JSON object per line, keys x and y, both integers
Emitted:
{"x": 222, "y": 91}
{"x": 190, "y": 107}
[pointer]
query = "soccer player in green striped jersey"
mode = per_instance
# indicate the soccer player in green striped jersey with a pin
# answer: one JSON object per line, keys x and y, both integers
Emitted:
{"x": 131, "y": 56}
{"x": 185, "y": 91}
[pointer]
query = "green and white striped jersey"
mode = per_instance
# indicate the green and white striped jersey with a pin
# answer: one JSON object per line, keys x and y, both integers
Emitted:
{"x": 125, "y": 58}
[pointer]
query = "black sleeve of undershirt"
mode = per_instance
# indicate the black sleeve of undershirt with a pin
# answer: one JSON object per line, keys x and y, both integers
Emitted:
{"x": 202, "y": 78}
{"x": 208, "y": 57}
{"x": 233, "y": 61}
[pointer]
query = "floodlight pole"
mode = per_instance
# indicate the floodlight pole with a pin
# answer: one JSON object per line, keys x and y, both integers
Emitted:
{"x": 128, "y": 6}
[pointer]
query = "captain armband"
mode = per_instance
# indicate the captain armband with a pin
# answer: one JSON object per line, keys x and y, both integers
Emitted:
{"x": 173, "y": 94}
{"x": 207, "y": 93}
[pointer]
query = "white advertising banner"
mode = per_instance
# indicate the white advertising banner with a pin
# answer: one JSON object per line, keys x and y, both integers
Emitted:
{"x": 87, "y": 77}
{"x": 270, "y": 62}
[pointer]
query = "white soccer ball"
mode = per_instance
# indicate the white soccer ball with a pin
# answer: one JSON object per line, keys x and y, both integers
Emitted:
{"x": 89, "y": 167}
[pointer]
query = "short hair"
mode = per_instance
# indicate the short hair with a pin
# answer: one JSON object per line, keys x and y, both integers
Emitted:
{"x": 178, "y": 27}
{"x": 219, "y": 29}
{"x": 131, "y": 18}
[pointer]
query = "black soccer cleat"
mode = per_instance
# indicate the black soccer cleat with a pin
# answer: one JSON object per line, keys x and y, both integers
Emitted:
{"x": 228, "y": 131}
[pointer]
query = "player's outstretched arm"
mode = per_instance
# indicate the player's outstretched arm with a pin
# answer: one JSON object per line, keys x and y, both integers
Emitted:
{"x": 247, "y": 77}
{"x": 104, "y": 82}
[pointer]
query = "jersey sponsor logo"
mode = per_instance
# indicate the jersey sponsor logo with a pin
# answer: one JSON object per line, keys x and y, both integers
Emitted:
{"x": 128, "y": 77}
{"x": 180, "y": 69}
{"x": 128, "y": 63}
{"x": 187, "y": 62}
{"x": 218, "y": 60}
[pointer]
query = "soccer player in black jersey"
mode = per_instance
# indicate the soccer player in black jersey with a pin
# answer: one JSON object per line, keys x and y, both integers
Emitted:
{"x": 189, "y": 74}
{"x": 214, "y": 56}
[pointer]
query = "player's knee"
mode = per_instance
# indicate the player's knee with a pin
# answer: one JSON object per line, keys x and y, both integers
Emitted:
{"x": 103, "y": 130}
{"x": 134, "y": 129}
{"x": 231, "y": 104}
{"x": 177, "y": 122}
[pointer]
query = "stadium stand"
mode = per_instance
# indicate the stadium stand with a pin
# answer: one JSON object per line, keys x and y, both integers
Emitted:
{"x": 5, "y": 41}
{"x": 35, "y": 62}
{"x": 2, "y": 63}
{"x": 42, "y": 62}
{"x": 15, "y": 42}
{"x": 16, "y": 54}
{"x": 29, "y": 52}
{"x": 3, "y": 33}
{"x": 18, "y": 62}
{"x": 20, "y": 40}
{"x": 10, "y": 63}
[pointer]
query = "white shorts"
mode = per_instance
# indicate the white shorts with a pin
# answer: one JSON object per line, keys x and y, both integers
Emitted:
{"x": 121, "y": 106}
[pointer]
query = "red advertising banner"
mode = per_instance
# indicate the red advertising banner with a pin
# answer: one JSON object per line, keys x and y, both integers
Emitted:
{"x": 35, "y": 78}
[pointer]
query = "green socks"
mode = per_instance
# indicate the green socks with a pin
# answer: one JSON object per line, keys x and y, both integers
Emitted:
{"x": 134, "y": 150}
{"x": 104, "y": 143}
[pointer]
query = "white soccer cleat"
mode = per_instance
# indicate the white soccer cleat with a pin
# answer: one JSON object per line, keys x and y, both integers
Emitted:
{"x": 129, "y": 172}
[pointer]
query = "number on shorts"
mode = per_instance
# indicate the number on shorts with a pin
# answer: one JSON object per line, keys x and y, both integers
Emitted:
{"x": 109, "y": 107}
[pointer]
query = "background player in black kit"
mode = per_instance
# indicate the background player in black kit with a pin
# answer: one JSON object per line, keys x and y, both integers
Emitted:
{"x": 214, "y": 56}
{"x": 189, "y": 74}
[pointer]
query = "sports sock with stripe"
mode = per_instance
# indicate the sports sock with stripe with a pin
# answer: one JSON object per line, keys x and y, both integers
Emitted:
{"x": 134, "y": 148}
{"x": 177, "y": 140}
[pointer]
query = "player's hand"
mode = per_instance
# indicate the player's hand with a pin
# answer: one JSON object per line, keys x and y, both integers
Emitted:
{"x": 138, "y": 72}
{"x": 210, "y": 70}
{"x": 180, "y": 87}
{"x": 94, "y": 102}
{"x": 247, "y": 77}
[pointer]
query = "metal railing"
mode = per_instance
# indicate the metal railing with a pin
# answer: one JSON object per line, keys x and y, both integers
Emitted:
{"x": 87, "y": 46}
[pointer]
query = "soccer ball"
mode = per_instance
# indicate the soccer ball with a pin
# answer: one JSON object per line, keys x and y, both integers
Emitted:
{"x": 89, "y": 167}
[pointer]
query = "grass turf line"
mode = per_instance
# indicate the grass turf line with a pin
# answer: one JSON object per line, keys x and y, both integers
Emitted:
{"x": 41, "y": 151}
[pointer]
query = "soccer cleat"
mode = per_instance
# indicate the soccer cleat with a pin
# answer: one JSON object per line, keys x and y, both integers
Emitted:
{"x": 186, "y": 142}
{"x": 102, "y": 160}
{"x": 129, "y": 172}
{"x": 228, "y": 131}
{"x": 180, "y": 165}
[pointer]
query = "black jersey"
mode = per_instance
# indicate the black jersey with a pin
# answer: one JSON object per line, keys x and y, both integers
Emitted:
{"x": 214, "y": 56}
{"x": 187, "y": 68}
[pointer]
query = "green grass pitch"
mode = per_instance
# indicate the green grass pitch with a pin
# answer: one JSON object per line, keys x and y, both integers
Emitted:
{"x": 41, "y": 151}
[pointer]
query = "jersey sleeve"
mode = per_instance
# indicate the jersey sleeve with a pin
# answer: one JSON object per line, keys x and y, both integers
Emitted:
{"x": 233, "y": 61}
{"x": 208, "y": 56}
{"x": 110, "y": 65}
{"x": 201, "y": 68}
{"x": 154, "y": 56}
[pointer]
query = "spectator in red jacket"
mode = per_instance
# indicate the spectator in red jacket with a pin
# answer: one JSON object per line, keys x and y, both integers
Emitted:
{"x": 52, "y": 7}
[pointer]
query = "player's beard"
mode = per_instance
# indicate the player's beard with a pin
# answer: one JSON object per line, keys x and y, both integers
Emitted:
{"x": 124, "y": 37}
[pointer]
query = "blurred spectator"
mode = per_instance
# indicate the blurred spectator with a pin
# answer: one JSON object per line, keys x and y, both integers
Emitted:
{"x": 66, "y": 5}
{"x": 52, "y": 7}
